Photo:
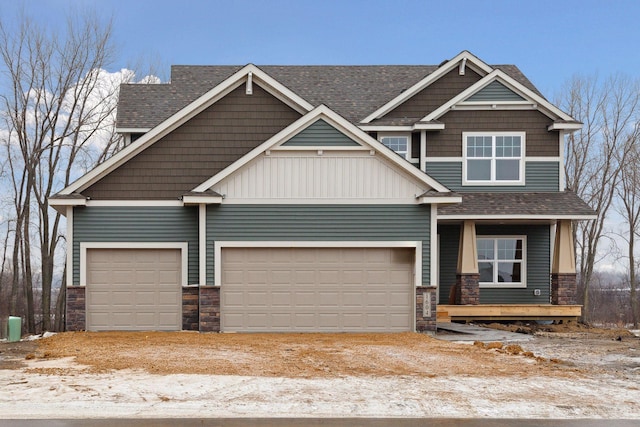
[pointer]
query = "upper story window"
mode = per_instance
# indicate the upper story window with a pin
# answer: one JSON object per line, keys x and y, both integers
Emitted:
{"x": 501, "y": 261}
{"x": 493, "y": 158}
{"x": 399, "y": 144}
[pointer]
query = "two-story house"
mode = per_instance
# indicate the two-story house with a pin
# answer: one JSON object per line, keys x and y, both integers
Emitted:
{"x": 325, "y": 198}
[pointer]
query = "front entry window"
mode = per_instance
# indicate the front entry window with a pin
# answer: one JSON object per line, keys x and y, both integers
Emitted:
{"x": 501, "y": 261}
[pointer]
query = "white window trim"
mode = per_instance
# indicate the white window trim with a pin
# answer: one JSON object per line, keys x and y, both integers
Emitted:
{"x": 493, "y": 182}
{"x": 183, "y": 246}
{"x": 219, "y": 245}
{"x": 410, "y": 156}
{"x": 523, "y": 269}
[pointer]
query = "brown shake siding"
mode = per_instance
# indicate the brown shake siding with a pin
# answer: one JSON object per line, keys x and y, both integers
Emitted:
{"x": 448, "y": 142}
{"x": 199, "y": 149}
{"x": 434, "y": 95}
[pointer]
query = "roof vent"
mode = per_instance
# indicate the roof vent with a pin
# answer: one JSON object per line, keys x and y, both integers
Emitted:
{"x": 463, "y": 64}
{"x": 249, "y": 90}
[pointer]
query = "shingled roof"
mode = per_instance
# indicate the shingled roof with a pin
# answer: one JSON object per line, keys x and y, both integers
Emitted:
{"x": 353, "y": 91}
{"x": 565, "y": 203}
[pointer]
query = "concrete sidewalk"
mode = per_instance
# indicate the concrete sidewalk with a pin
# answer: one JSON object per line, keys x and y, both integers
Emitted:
{"x": 468, "y": 332}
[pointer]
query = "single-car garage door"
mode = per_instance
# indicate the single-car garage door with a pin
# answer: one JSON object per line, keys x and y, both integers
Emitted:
{"x": 133, "y": 289}
{"x": 317, "y": 289}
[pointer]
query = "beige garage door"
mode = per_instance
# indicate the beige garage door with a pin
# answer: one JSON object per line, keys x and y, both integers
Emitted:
{"x": 133, "y": 289}
{"x": 317, "y": 289}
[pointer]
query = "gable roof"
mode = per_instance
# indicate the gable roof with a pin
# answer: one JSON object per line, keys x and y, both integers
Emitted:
{"x": 353, "y": 91}
{"x": 351, "y": 131}
{"x": 529, "y": 96}
{"x": 246, "y": 74}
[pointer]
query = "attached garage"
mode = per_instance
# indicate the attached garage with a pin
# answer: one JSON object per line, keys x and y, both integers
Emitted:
{"x": 317, "y": 289}
{"x": 133, "y": 289}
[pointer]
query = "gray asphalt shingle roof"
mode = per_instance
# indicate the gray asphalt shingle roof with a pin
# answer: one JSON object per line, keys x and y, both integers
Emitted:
{"x": 535, "y": 204}
{"x": 353, "y": 91}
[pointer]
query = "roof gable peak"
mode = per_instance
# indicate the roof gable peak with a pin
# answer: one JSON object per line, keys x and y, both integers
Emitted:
{"x": 462, "y": 60}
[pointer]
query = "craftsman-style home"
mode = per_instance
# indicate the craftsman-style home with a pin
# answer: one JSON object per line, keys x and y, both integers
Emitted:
{"x": 325, "y": 198}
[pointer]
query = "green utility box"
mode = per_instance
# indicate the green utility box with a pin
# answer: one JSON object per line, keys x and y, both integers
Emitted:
{"x": 15, "y": 329}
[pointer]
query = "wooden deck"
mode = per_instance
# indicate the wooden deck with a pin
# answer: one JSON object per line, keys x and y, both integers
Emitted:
{"x": 448, "y": 313}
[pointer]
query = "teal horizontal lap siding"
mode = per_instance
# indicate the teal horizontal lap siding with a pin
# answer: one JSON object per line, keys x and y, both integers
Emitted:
{"x": 539, "y": 176}
{"x": 320, "y": 133}
{"x": 136, "y": 224}
{"x": 537, "y": 256}
{"x": 495, "y": 91}
{"x": 319, "y": 223}
{"x": 449, "y": 239}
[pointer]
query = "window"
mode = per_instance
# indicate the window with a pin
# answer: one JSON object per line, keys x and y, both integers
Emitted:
{"x": 399, "y": 144}
{"x": 501, "y": 261}
{"x": 493, "y": 158}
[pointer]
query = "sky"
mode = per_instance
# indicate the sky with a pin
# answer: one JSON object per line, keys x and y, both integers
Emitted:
{"x": 550, "y": 40}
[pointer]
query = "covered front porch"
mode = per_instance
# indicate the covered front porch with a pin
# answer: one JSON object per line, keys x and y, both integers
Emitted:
{"x": 509, "y": 256}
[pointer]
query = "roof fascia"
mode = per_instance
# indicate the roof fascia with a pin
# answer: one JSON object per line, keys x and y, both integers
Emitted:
{"x": 509, "y": 82}
{"x": 343, "y": 125}
{"x": 439, "y": 200}
{"x": 441, "y": 71}
{"x": 404, "y": 128}
{"x": 132, "y": 130}
{"x": 178, "y": 119}
{"x": 565, "y": 126}
{"x": 519, "y": 217}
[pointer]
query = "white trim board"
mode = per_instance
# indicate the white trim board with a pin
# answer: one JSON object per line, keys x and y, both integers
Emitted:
{"x": 219, "y": 245}
{"x": 183, "y": 246}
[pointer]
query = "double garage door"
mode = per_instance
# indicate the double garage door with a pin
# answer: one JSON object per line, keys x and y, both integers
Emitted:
{"x": 263, "y": 289}
{"x": 317, "y": 289}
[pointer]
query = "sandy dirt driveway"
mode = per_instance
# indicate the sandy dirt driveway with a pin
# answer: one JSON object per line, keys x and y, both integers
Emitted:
{"x": 187, "y": 374}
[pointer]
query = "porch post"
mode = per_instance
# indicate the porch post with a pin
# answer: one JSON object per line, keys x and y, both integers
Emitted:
{"x": 467, "y": 275}
{"x": 563, "y": 270}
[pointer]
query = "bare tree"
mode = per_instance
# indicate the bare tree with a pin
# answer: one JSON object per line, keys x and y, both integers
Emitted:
{"x": 628, "y": 192}
{"x": 58, "y": 113}
{"x": 594, "y": 156}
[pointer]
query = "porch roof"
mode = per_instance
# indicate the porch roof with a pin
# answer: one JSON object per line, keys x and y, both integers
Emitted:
{"x": 559, "y": 205}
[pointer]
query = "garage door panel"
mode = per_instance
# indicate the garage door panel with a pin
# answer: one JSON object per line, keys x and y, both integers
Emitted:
{"x": 328, "y": 298}
{"x": 134, "y": 289}
{"x": 353, "y": 277}
{"x": 280, "y": 320}
{"x": 256, "y": 299}
{"x": 281, "y": 298}
{"x": 233, "y": 277}
{"x": 305, "y": 298}
{"x": 328, "y": 276}
{"x": 329, "y": 320}
{"x": 318, "y": 289}
{"x": 281, "y": 277}
{"x": 376, "y": 277}
{"x": 304, "y": 320}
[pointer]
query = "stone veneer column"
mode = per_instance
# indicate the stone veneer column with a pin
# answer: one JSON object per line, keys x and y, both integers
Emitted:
{"x": 425, "y": 309}
{"x": 75, "y": 319}
{"x": 564, "y": 289}
{"x": 468, "y": 289}
{"x": 209, "y": 309}
{"x": 190, "y": 311}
